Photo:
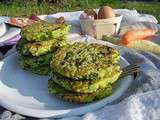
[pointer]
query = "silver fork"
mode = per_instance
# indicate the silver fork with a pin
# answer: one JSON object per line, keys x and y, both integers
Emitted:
{"x": 130, "y": 69}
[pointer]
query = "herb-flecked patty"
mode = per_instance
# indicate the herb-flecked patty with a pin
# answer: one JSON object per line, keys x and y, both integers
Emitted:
{"x": 85, "y": 61}
{"x": 39, "y": 65}
{"x": 44, "y": 31}
{"x": 39, "y": 48}
{"x": 66, "y": 95}
{"x": 43, "y": 70}
{"x": 87, "y": 86}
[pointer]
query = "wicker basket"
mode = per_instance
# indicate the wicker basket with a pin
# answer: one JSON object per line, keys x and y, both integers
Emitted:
{"x": 100, "y": 27}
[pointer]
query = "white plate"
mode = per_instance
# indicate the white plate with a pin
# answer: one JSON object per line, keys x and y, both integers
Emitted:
{"x": 26, "y": 93}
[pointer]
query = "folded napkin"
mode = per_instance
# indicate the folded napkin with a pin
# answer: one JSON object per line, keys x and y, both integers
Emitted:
{"x": 10, "y": 41}
{"x": 9, "y": 35}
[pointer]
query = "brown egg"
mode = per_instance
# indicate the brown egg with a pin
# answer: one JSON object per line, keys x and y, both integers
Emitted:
{"x": 91, "y": 12}
{"x": 105, "y": 12}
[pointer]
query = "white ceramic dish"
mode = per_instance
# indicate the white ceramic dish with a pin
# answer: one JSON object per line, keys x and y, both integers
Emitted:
{"x": 26, "y": 93}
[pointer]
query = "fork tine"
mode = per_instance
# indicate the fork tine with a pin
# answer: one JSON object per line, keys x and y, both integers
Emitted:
{"x": 128, "y": 73}
{"x": 133, "y": 66}
{"x": 129, "y": 70}
{"x": 132, "y": 71}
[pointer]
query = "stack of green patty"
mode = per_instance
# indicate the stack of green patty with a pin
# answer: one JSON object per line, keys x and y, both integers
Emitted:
{"x": 39, "y": 42}
{"x": 83, "y": 73}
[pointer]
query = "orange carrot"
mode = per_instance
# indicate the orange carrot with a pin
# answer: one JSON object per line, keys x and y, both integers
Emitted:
{"x": 136, "y": 35}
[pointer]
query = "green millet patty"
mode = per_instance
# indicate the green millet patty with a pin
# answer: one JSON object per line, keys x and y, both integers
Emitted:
{"x": 43, "y": 70}
{"x": 38, "y": 44}
{"x": 44, "y": 31}
{"x": 20, "y": 44}
{"x": 39, "y": 48}
{"x": 66, "y": 95}
{"x": 84, "y": 61}
{"x": 87, "y": 86}
{"x": 38, "y": 65}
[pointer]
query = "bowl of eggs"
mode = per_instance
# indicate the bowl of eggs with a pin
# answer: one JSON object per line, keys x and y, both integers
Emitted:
{"x": 105, "y": 22}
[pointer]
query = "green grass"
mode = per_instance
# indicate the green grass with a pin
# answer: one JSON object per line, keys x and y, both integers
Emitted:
{"x": 21, "y": 9}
